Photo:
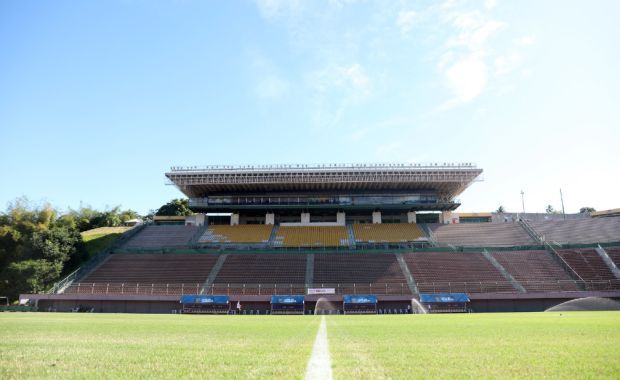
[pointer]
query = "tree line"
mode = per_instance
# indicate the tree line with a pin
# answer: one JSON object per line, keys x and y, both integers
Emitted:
{"x": 39, "y": 244}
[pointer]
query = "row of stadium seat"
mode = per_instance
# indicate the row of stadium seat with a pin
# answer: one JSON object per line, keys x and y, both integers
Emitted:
{"x": 593, "y": 230}
{"x": 466, "y": 234}
{"x": 457, "y": 272}
{"x": 247, "y": 233}
{"x": 387, "y": 233}
{"x": 348, "y": 272}
{"x": 162, "y": 236}
{"x": 535, "y": 270}
{"x": 587, "y": 263}
{"x": 481, "y": 234}
{"x": 312, "y": 236}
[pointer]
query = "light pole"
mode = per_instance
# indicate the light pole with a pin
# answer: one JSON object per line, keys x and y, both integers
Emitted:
{"x": 562, "y": 200}
{"x": 523, "y": 202}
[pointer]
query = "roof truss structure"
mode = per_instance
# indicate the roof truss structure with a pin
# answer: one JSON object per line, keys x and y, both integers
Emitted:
{"x": 448, "y": 180}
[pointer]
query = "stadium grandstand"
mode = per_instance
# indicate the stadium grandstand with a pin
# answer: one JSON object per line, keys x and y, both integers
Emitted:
{"x": 333, "y": 231}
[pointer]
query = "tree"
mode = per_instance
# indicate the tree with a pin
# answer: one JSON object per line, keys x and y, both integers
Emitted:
{"x": 586, "y": 210}
{"x": 31, "y": 276}
{"x": 176, "y": 207}
{"x": 500, "y": 210}
{"x": 35, "y": 245}
{"x": 550, "y": 210}
{"x": 57, "y": 244}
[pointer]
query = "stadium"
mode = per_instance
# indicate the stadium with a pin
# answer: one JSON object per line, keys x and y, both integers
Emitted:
{"x": 362, "y": 211}
{"x": 343, "y": 239}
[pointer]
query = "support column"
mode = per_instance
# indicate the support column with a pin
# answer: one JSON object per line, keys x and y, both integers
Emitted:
{"x": 270, "y": 218}
{"x": 445, "y": 217}
{"x": 376, "y": 217}
{"x": 411, "y": 217}
{"x": 340, "y": 218}
{"x": 234, "y": 219}
{"x": 305, "y": 218}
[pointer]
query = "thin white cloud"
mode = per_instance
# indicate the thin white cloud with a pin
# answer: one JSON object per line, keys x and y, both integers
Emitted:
{"x": 271, "y": 87}
{"x": 356, "y": 77}
{"x": 406, "y": 20}
{"x": 359, "y": 134}
{"x": 474, "y": 30}
{"x": 506, "y": 64}
{"x": 268, "y": 84}
{"x": 335, "y": 89}
{"x": 525, "y": 41}
{"x": 389, "y": 152}
{"x": 467, "y": 78}
{"x": 349, "y": 81}
{"x": 466, "y": 58}
{"x": 490, "y": 4}
{"x": 276, "y": 8}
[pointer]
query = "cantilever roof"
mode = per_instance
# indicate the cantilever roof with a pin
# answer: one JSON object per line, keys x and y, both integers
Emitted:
{"x": 448, "y": 180}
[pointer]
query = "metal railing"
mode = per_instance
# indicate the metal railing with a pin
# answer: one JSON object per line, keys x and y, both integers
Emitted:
{"x": 325, "y": 166}
{"x": 400, "y": 288}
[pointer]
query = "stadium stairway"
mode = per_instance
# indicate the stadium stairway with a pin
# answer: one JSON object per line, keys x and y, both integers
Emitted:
{"x": 429, "y": 234}
{"x": 213, "y": 274}
{"x": 608, "y": 261}
{"x": 413, "y": 287}
{"x": 568, "y": 269}
{"x": 274, "y": 234}
{"x": 614, "y": 254}
{"x": 199, "y": 232}
{"x": 503, "y": 271}
{"x": 309, "y": 270}
{"x": 351, "y": 235}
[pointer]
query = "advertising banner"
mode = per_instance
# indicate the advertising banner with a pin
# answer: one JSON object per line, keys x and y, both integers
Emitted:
{"x": 444, "y": 298}
{"x": 202, "y": 299}
{"x": 360, "y": 299}
{"x": 321, "y": 290}
{"x": 287, "y": 300}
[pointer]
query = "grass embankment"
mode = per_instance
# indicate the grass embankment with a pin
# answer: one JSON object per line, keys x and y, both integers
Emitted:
{"x": 97, "y": 239}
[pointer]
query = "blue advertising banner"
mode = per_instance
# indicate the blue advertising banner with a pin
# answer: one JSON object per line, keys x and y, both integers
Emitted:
{"x": 444, "y": 298}
{"x": 287, "y": 300}
{"x": 202, "y": 299}
{"x": 360, "y": 298}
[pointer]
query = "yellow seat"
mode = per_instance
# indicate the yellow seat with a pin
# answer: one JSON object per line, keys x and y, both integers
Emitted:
{"x": 387, "y": 233}
{"x": 312, "y": 236}
{"x": 242, "y": 233}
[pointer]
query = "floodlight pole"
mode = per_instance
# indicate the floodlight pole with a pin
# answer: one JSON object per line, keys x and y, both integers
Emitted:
{"x": 562, "y": 200}
{"x": 523, "y": 202}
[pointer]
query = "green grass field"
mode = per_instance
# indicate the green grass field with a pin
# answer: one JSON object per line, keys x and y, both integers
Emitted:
{"x": 525, "y": 345}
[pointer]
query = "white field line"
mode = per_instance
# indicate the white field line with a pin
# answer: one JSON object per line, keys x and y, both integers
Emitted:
{"x": 320, "y": 363}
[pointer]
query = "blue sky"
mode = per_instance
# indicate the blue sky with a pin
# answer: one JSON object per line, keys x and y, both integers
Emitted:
{"x": 99, "y": 99}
